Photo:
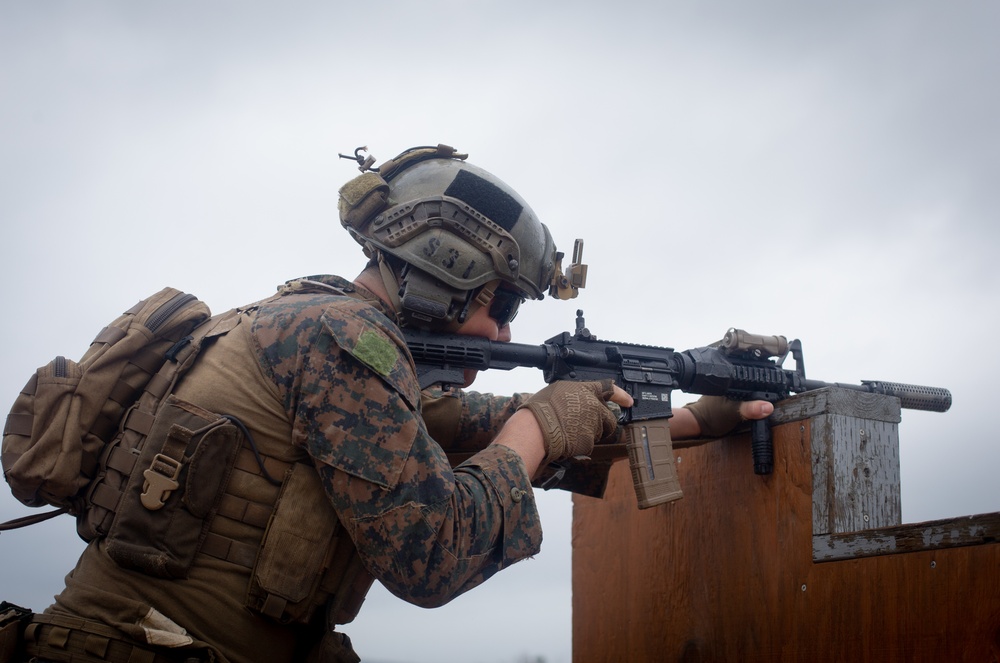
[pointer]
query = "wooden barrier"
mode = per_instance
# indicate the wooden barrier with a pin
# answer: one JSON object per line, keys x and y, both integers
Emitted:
{"x": 810, "y": 563}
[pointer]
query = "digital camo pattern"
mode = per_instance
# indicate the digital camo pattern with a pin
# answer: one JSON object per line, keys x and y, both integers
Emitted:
{"x": 426, "y": 531}
{"x": 463, "y": 422}
{"x": 466, "y": 421}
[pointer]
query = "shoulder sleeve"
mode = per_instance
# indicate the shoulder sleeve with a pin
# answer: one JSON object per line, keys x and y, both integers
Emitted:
{"x": 358, "y": 332}
{"x": 345, "y": 379}
{"x": 364, "y": 406}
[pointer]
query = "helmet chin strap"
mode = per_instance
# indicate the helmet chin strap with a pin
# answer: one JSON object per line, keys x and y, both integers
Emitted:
{"x": 391, "y": 286}
{"x": 479, "y": 298}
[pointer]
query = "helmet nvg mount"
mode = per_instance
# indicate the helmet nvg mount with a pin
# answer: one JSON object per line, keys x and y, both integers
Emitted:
{"x": 448, "y": 235}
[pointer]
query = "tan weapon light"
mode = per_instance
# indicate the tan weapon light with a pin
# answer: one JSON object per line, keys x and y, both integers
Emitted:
{"x": 737, "y": 340}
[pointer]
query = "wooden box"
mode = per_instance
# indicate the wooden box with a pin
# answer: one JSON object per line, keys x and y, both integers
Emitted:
{"x": 810, "y": 563}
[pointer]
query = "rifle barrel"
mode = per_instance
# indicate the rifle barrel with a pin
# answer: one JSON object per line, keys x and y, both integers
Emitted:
{"x": 911, "y": 396}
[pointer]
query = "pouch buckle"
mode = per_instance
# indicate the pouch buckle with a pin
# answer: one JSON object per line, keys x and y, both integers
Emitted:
{"x": 161, "y": 480}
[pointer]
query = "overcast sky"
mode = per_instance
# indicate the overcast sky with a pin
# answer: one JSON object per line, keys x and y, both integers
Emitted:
{"x": 830, "y": 174}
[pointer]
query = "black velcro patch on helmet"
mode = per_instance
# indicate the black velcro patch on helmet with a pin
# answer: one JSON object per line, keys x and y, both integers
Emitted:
{"x": 486, "y": 197}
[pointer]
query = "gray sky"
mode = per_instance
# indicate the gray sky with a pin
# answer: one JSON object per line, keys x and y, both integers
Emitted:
{"x": 830, "y": 174}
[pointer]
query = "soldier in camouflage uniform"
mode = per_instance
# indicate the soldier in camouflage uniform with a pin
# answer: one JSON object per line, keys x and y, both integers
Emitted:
{"x": 339, "y": 472}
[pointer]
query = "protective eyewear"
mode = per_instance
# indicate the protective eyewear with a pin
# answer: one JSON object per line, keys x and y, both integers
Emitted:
{"x": 503, "y": 307}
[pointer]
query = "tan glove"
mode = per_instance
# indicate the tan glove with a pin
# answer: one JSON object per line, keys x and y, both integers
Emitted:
{"x": 717, "y": 415}
{"x": 573, "y": 416}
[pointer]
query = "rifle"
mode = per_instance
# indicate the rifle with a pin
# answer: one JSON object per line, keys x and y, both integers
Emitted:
{"x": 742, "y": 366}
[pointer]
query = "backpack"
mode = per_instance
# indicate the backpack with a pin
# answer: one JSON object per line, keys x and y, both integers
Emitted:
{"x": 71, "y": 435}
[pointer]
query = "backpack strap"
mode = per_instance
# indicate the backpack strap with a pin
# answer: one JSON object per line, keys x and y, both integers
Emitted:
{"x": 33, "y": 519}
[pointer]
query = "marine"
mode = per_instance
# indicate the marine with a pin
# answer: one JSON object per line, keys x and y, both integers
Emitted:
{"x": 297, "y": 460}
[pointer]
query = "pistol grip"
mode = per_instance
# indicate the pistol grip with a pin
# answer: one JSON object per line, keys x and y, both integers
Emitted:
{"x": 651, "y": 459}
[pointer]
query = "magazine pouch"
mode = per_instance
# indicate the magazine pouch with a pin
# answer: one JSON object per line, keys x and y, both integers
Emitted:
{"x": 174, "y": 490}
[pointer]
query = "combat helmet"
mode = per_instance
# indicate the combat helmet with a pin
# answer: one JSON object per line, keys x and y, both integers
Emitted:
{"x": 449, "y": 237}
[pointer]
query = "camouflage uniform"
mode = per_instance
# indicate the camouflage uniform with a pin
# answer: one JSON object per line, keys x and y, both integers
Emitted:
{"x": 327, "y": 379}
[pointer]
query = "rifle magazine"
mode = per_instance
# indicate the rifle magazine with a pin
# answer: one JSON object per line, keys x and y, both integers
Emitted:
{"x": 651, "y": 459}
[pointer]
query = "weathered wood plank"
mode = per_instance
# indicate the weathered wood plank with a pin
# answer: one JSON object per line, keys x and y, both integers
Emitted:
{"x": 932, "y": 535}
{"x": 831, "y": 400}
